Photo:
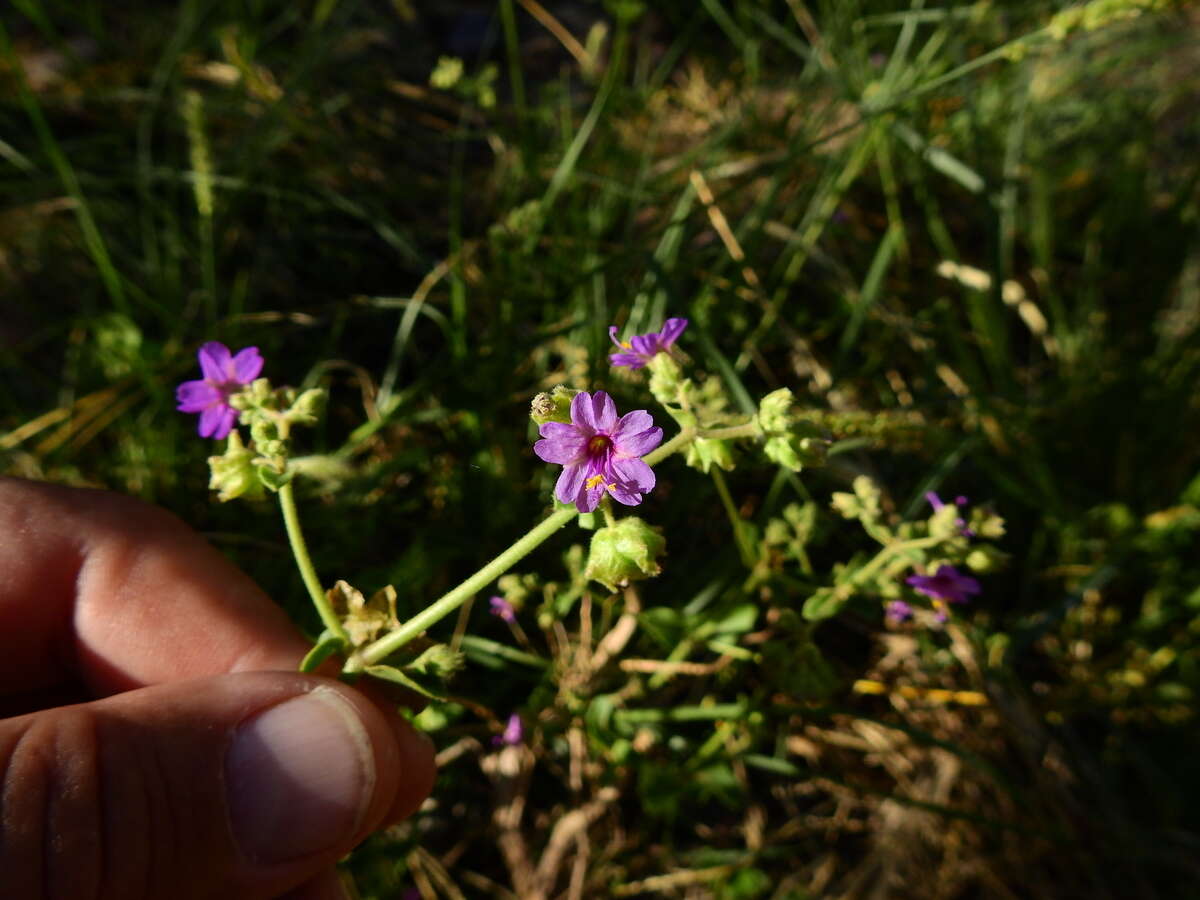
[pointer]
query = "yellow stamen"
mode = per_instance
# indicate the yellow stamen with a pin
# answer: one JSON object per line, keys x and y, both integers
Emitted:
{"x": 598, "y": 480}
{"x": 626, "y": 345}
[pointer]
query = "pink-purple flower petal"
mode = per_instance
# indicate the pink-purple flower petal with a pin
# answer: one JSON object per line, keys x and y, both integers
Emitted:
{"x": 638, "y": 444}
{"x": 217, "y": 421}
{"x": 582, "y": 415}
{"x": 570, "y": 483}
{"x": 605, "y": 411}
{"x": 630, "y": 360}
{"x": 635, "y": 474}
{"x": 632, "y": 423}
{"x": 947, "y": 583}
{"x": 246, "y": 365}
{"x": 561, "y": 443}
{"x": 671, "y": 330}
{"x": 624, "y": 494}
{"x": 215, "y": 362}
{"x": 196, "y": 396}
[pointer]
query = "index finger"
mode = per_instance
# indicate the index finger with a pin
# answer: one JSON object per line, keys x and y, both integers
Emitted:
{"x": 117, "y": 594}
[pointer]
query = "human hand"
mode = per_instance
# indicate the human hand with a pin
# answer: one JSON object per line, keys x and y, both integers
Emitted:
{"x": 160, "y": 742}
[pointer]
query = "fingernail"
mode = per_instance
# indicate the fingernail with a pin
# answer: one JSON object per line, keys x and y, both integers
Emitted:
{"x": 299, "y": 777}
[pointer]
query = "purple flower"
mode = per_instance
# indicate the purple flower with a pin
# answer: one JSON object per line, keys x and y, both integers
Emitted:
{"x": 599, "y": 452}
{"x": 224, "y": 375}
{"x": 899, "y": 611}
{"x": 639, "y": 349}
{"x": 937, "y": 503}
{"x": 503, "y": 609}
{"x": 513, "y": 734}
{"x": 947, "y": 584}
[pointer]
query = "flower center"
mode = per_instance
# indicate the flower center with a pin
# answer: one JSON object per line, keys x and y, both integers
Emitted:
{"x": 598, "y": 444}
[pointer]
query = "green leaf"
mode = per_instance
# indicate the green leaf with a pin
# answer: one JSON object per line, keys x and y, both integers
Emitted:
{"x": 273, "y": 480}
{"x": 664, "y": 626}
{"x": 824, "y": 603}
{"x": 395, "y": 676}
{"x": 327, "y": 645}
{"x": 738, "y": 620}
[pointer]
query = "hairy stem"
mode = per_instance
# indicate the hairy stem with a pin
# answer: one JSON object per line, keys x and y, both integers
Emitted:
{"x": 451, "y": 601}
{"x": 291, "y": 521}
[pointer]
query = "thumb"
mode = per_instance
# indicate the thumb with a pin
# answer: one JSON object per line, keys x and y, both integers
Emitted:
{"x": 240, "y": 785}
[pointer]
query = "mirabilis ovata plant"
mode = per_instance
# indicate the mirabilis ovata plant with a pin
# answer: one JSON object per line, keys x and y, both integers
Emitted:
{"x": 606, "y": 458}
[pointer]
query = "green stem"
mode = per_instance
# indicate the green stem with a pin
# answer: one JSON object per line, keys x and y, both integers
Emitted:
{"x": 735, "y": 521}
{"x": 732, "y": 432}
{"x": 890, "y": 551}
{"x": 451, "y": 601}
{"x": 675, "y": 444}
{"x": 291, "y": 521}
{"x": 681, "y": 714}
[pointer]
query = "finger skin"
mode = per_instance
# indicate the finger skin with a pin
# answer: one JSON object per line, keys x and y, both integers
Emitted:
{"x": 110, "y": 595}
{"x": 124, "y": 797}
{"x": 118, "y": 594}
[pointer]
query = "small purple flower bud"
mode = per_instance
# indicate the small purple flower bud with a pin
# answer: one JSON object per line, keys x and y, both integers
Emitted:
{"x": 225, "y": 374}
{"x": 503, "y": 609}
{"x": 641, "y": 348}
{"x": 899, "y": 611}
{"x": 513, "y": 734}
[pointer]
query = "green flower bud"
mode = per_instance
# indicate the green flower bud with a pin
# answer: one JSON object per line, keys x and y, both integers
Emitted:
{"x": 777, "y": 533}
{"x": 803, "y": 518}
{"x": 552, "y": 407}
{"x": 439, "y": 661}
{"x": 262, "y": 432}
{"x": 986, "y": 524}
{"x": 306, "y": 409}
{"x": 862, "y": 504}
{"x": 259, "y": 392}
{"x": 625, "y": 552}
{"x": 791, "y": 442}
{"x": 665, "y": 378}
{"x": 704, "y": 453}
{"x": 775, "y": 411}
{"x": 241, "y": 401}
{"x": 517, "y": 588}
{"x": 944, "y": 523}
{"x": 232, "y": 473}
{"x": 986, "y": 559}
{"x": 779, "y": 450}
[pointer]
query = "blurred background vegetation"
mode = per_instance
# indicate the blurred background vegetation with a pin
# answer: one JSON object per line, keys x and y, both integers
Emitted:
{"x": 965, "y": 234}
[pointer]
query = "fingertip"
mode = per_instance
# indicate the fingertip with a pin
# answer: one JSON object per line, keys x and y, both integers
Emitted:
{"x": 419, "y": 770}
{"x": 404, "y": 757}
